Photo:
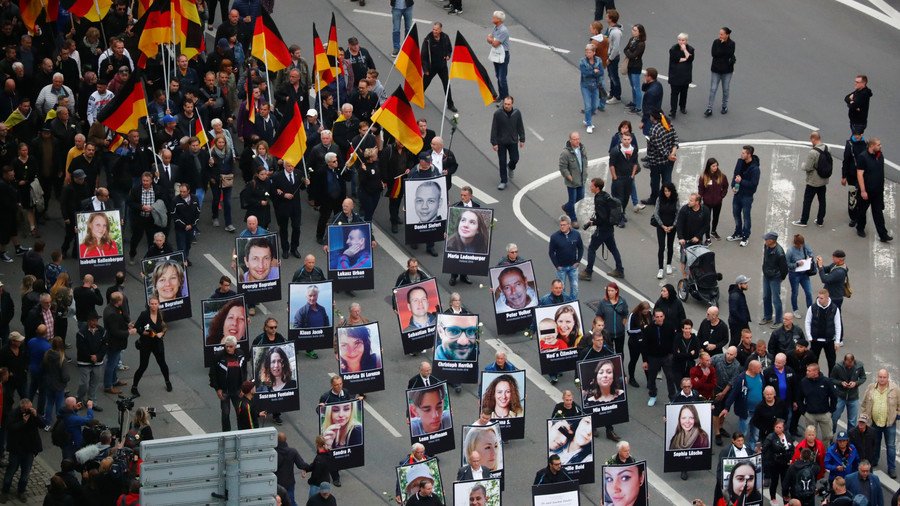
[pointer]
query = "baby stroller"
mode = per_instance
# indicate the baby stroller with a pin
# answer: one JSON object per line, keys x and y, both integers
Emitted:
{"x": 702, "y": 281}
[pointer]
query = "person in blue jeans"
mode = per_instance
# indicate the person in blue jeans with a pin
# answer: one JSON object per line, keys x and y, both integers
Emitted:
{"x": 499, "y": 37}
{"x": 566, "y": 250}
{"x": 614, "y": 33}
{"x": 400, "y": 9}
{"x": 591, "y": 78}
{"x": 744, "y": 184}
{"x": 573, "y": 167}
{"x": 634, "y": 51}
{"x": 774, "y": 270}
{"x": 795, "y": 254}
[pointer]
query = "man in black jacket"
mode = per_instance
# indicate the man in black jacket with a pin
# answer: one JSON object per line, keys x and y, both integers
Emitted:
{"x": 692, "y": 226}
{"x": 870, "y": 177}
{"x": 288, "y": 459}
{"x": 23, "y": 428}
{"x": 70, "y": 201}
{"x": 553, "y": 473}
{"x": 90, "y": 346}
{"x": 854, "y": 146}
{"x": 140, "y": 201}
{"x": 657, "y": 354}
{"x": 436, "y": 51}
{"x": 858, "y": 104}
{"x": 816, "y": 398}
{"x": 864, "y": 440}
{"x": 327, "y": 191}
{"x": 507, "y": 136}
{"x": 226, "y": 376}
{"x": 774, "y": 270}
{"x": 118, "y": 328}
{"x": 424, "y": 378}
{"x": 287, "y": 184}
{"x": 738, "y": 310}
{"x": 784, "y": 339}
{"x": 87, "y": 297}
{"x": 604, "y": 233}
{"x": 7, "y": 310}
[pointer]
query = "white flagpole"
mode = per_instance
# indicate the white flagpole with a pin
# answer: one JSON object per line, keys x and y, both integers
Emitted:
{"x": 446, "y": 94}
{"x": 268, "y": 83}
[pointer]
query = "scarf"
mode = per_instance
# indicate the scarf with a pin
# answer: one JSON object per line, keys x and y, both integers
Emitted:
{"x": 686, "y": 439}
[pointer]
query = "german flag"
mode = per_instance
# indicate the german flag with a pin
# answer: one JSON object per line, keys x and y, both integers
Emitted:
{"x": 320, "y": 62}
{"x": 396, "y": 188}
{"x": 268, "y": 45}
{"x": 155, "y": 27}
{"x": 200, "y": 132}
{"x": 29, "y": 10}
{"x": 290, "y": 139}
{"x": 92, "y": 10}
{"x": 334, "y": 59}
{"x": 396, "y": 116}
{"x": 188, "y": 28}
{"x": 465, "y": 65}
{"x": 52, "y": 10}
{"x": 251, "y": 102}
{"x": 142, "y": 7}
{"x": 409, "y": 64}
{"x": 123, "y": 113}
{"x": 115, "y": 142}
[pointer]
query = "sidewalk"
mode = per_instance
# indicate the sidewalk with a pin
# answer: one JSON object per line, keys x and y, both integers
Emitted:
{"x": 41, "y": 472}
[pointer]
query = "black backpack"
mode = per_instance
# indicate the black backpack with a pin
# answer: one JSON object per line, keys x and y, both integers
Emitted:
{"x": 825, "y": 163}
{"x": 59, "y": 435}
{"x": 614, "y": 214}
{"x": 805, "y": 483}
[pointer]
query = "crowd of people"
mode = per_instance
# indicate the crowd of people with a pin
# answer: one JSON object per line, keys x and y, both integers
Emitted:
{"x": 55, "y": 153}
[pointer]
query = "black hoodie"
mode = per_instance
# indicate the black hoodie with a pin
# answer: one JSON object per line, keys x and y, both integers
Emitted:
{"x": 672, "y": 307}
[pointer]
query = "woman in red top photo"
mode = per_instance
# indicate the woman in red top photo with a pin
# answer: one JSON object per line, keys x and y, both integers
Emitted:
{"x": 97, "y": 242}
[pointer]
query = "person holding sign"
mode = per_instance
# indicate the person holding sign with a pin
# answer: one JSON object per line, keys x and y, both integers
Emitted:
{"x": 553, "y": 473}
{"x": 341, "y": 427}
{"x": 502, "y": 398}
{"x": 97, "y": 241}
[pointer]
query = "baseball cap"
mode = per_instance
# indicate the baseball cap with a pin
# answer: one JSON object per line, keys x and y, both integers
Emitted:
{"x": 741, "y": 279}
{"x": 842, "y": 436}
{"x": 770, "y": 236}
{"x": 222, "y": 44}
{"x": 312, "y": 112}
{"x": 425, "y": 155}
{"x": 864, "y": 418}
{"x": 79, "y": 174}
{"x": 15, "y": 336}
{"x": 168, "y": 118}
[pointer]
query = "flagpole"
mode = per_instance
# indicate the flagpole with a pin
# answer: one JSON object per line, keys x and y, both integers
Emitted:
{"x": 208, "y": 143}
{"x": 165, "y": 70}
{"x": 446, "y": 94}
{"x": 319, "y": 97}
{"x": 268, "y": 82}
{"x": 305, "y": 173}
{"x": 103, "y": 30}
{"x": 152, "y": 142}
{"x": 394, "y": 63}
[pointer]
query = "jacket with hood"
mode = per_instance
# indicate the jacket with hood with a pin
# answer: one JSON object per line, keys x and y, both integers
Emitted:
{"x": 749, "y": 173}
{"x": 833, "y": 458}
{"x": 672, "y": 307}
{"x": 288, "y": 458}
{"x": 569, "y": 165}
{"x": 738, "y": 310}
{"x": 790, "y": 484}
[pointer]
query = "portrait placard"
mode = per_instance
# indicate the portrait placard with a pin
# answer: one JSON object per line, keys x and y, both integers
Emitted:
{"x": 359, "y": 357}
{"x": 503, "y": 393}
{"x": 351, "y": 264}
{"x": 430, "y": 418}
{"x": 559, "y": 335}
{"x": 572, "y": 439}
{"x": 426, "y": 209}
{"x": 456, "y": 347}
{"x": 166, "y": 278}
{"x": 223, "y": 317}
{"x": 687, "y": 441}
{"x": 418, "y": 305}
{"x": 603, "y": 390}
{"x": 258, "y": 267}
{"x": 101, "y": 250}
{"x": 342, "y": 424}
{"x": 275, "y": 375}
{"x": 515, "y": 296}
{"x": 311, "y": 310}
{"x": 468, "y": 247}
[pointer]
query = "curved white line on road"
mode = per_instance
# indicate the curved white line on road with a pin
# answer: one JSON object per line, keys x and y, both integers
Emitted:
{"x": 517, "y": 199}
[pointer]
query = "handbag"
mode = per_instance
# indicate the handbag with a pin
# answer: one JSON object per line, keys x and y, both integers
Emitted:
{"x": 653, "y": 221}
{"x": 226, "y": 180}
{"x": 623, "y": 66}
{"x": 497, "y": 54}
{"x": 812, "y": 271}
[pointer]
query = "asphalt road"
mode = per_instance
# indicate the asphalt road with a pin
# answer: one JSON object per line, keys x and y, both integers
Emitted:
{"x": 797, "y": 59}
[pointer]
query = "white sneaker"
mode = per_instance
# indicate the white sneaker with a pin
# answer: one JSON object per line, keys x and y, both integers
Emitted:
{"x": 659, "y": 275}
{"x": 651, "y": 401}
{"x": 216, "y": 222}
{"x": 668, "y": 270}
{"x": 501, "y": 186}
{"x": 640, "y": 207}
{"x": 797, "y": 315}
{"x": 798, "y": 223}
{"x": 732, "y": 238}
{"x": 590, "y": 129}
{"x": 613, "y": 100}
{"x": 743, "y": 243}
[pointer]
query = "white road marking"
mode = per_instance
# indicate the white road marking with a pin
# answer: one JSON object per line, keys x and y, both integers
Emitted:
{"x": 884, "y": 256}
{"x": 535, "y": 134}
{"x": 511, "y": 39}
{"x": 186, "y": 421}
{"x": 666, "y": 78}
{"x": 376, "y": 415}
{"x": 221, "y": 268}
{"x": 542, "y": 46}
{"x": 889, "y": 16}
{"x": 787, "y": 118}
{"x": 479, "y": 194}
{"x": 782, "y": 192}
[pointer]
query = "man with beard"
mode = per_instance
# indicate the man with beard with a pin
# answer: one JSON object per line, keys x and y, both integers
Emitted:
{"x": 515, "y": 292}
{"x": 458, "y": 335}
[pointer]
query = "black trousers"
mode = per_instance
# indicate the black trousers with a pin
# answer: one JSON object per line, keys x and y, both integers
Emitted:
{"x": 830, "y": 353}
{"x": 327, "y": 209}
{"x": 716, "y": 211}
{"x": 442, "y": 72}
{"x": 621, "y": 190}
{"x": 664, "y": 244}
{"x": 599, "y": 5}
{"x": 634, "y": 352}
{"x": 678, "y": 97}
{"x": 140, "y": 225}
{"x": 154, "y": 347}
{"x": 808, "y": 194}
{"x": 69, "y": 240}
{"x": 288, "y": 219}
{"x": 654, "y": 364}
{"x": 394, "y": 208}
{"x": 877, "y": 205}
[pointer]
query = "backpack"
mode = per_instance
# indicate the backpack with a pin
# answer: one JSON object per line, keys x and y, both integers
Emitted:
{"x": 59, "y": 435}
{"x": 805, "y": 483}
{"x": 615, "y": 214}
{"x": 848, "y": 291}
{"x": 825, "y": 163}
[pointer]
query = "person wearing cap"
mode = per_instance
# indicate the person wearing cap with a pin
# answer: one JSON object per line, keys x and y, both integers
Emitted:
{"x": 774, "y": 270}
{"x": 738, "y": 310}
{"x": 168, "y": 136}
{"x": 864, "y": 440}
{"x": 313, "y": 126}
{"x": 834, "y": 275}
{"x": 324, "y": 497}
{"x": 91, "y": 348}
{"x": 841, "y": 458}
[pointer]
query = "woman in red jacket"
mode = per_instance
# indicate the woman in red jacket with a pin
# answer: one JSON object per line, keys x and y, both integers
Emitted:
{"x": 815, "y": 445}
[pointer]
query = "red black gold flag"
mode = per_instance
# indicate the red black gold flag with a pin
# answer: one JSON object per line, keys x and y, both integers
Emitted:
{"x": 409, "y": 64}
{"x": 465, "y": 65}
{"x": 123, "y": 113}
{"x": 268, "y": 45}
{"x": 290, "y": 140}
{"x": 397, "y": 117}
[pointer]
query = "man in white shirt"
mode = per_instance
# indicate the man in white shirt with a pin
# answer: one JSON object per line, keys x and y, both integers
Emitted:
{"x": 98, "y": 100}
{"x": 100, "y": 200}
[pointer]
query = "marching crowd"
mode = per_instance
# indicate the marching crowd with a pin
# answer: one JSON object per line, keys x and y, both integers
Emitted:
{"x": 217, "y": 115}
